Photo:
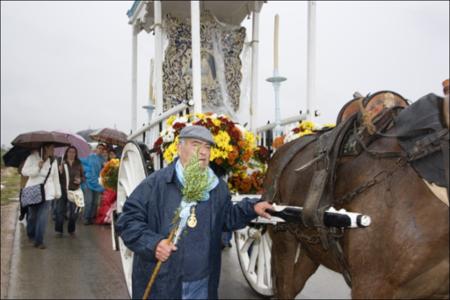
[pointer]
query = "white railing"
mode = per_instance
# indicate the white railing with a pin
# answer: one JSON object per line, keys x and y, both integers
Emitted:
{"x": 149, "y": 133}
{"x": 159, "y": 119}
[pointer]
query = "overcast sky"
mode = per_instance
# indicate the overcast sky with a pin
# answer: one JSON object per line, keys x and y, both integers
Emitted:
{"x": 67, "y": 65}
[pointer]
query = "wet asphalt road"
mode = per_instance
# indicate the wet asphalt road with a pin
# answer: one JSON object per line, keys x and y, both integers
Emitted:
{"x": 86, "y": 267}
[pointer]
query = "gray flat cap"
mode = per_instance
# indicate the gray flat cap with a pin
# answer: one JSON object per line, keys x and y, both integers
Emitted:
{"x": 197, "y": 132}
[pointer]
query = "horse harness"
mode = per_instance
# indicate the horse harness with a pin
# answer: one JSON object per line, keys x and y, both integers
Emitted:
{"x": 349, "y": 138}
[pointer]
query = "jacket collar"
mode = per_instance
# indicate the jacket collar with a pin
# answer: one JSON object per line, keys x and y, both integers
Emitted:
{"x": 170, "y": 172}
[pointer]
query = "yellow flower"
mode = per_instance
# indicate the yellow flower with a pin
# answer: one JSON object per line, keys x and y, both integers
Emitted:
{"x": 115, "y": 162}
{"x": 200, "y": 116}
{"x": 329, "y": 125}
{"x": 222, "y": 140}
{"x": 217, "y": 153}
{"x": 305, "y": 132}
{"x": 306, "y": 125}
{"x": 216, "y": 122}
{"x": 171, "y": 152}
{"x": 250, "y": 138}
{"x": 170, "y": 120}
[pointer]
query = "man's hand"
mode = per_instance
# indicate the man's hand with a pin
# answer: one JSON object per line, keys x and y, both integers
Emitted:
{"x": 41, "y": 163}
{"x": 260, "y": 209}
{"x": 164, "y": 249}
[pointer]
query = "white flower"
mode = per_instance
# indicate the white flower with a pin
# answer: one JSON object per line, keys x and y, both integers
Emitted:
{"x": 163, "y": 132}
{"x": 168, "y": 137}
{"x": 182, "y": 119}
{"x": 317, "y": 127}
{"x": 290, "y": 137}
{"x": 240, "y": 127}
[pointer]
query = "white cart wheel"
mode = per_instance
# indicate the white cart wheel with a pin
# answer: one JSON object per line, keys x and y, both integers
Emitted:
{"x": 132, "y": 171}
{"x": 254, "y": 247}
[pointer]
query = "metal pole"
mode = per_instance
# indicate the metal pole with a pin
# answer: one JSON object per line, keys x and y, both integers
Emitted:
{"x": 134, "y": 78}
{"x": 158, "y": 57}
{"x": 254, "y": 87}
{"x": 311, "y": 59}
{"x": 196, "y": 63}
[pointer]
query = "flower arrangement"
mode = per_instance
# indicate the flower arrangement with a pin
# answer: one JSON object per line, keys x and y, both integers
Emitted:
{"x": 249, "y": 180}
{"x": 303, "y": 128}
{"x": 235, "y": 152}
{"x": 109, "y": 174}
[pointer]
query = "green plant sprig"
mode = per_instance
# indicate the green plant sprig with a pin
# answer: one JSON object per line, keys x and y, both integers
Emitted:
{"x": 196, "y": 181}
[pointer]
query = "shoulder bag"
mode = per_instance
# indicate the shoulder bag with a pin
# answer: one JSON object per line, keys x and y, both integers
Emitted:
{"x": 35, "y": 194}
{"x": 75, "y": 196}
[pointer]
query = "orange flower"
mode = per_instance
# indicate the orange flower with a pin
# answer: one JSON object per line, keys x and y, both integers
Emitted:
{"x": 246, "y": 156}
{"x": 278, "y": 142}
{"x": 233, "y": 155}
{"x": 242, "y": 144}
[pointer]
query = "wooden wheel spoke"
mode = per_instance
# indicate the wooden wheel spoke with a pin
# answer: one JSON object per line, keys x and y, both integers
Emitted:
{"x": 253, "y": 257}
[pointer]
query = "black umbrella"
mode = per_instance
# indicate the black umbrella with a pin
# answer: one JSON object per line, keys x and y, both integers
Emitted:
{"x": 15, "y": 156}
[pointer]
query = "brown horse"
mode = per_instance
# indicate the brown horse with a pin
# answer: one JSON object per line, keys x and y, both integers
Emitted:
{"x": 404, "y": 253}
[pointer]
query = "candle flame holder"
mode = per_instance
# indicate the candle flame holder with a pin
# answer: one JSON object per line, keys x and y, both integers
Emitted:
{"x": 276, "y": 81}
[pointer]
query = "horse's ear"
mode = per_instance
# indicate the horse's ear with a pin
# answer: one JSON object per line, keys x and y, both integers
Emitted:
{"x": 357, "y": 95}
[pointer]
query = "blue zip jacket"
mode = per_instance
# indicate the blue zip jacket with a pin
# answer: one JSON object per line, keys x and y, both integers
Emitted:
{"x": 146, "y": 219}
{"x": 92, "y": 165}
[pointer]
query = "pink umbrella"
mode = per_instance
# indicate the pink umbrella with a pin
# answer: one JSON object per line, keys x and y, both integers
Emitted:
{"x": 75, "y": 140}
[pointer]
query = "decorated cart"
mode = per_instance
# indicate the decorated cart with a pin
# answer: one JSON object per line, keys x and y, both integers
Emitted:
{"x": 204, "y": 71}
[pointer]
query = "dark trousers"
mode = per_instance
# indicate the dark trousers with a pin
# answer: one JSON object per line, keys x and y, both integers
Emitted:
{"x": 91, "y": 200}
{"x": 62, "y": 206}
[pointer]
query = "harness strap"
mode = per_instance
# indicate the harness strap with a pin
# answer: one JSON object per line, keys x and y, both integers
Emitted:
{"x": 378, "y": 154}
{"x": 315, "y": 193}
{"x": 339, "y": 256}
{"x": 300, "y": 144}
{"x": 321, "y": 190}
{"x": 429, "y": 144}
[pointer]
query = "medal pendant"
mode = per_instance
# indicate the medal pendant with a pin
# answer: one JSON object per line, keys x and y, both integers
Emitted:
{"x": 192, "y": 220}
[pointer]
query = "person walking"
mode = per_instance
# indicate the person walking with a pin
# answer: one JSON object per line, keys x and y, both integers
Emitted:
{"x": 72, "y": 175}
{"x": 190, "y": 269}
{"x": 40, "y": 169}
{"x": 92, "y": 165}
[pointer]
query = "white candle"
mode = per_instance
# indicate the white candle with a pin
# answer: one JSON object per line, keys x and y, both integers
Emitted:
{"x": 151, "y": 95}
{"x": 275, "y": 43}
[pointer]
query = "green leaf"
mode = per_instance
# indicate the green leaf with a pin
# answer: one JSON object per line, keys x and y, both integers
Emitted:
{"x": 196, "y": 181}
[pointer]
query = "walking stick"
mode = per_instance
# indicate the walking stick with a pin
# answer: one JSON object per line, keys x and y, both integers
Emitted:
{"x": 158, "y": 266}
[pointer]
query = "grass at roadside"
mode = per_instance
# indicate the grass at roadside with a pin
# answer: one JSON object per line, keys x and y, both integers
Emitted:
{"x": 10, "y": 179}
